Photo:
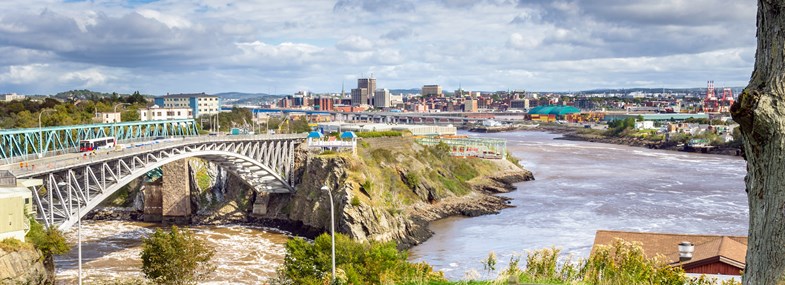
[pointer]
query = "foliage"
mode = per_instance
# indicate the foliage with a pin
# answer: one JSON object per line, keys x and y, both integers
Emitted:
{"x": 176, "y": 257}
{"x": 360, "y": 263}
{"x": 300, "y": 125}
{"x": 379, "y": 134}
{"x": 355, "y": 201}
{"x": 12, "y": 244}
{"x": 616, "y": 127}
{"x": 367, "y": 186}
{"x": 512, "y": 159}
{"x": 25, "y": 113}
{"x": 328, "y": 152}
{"x": 412, "y": 180}
{"x": 441, "y": 150}
{"x": 236, "y": 118}
{"x": 49, "y": 241}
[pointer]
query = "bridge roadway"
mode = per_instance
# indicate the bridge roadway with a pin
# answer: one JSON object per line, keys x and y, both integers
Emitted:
{"x": 76, "y": 183}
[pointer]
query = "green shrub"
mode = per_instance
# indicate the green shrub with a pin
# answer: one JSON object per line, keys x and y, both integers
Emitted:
{"x": 379, "y": 134}
{"x": 176, "y": 257}
{"x": 512, "y": 159}
{"x": 355, "y": 201}
{"x": 367, "y": 186}
{"x": 328, "y": 152}
{"x": 49, "y": 241}
{"x": 12, "y": 245}
{"x": 412, "y": 180}
{"x": 356, "y": 263}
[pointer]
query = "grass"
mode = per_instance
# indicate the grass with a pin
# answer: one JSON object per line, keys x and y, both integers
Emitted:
{"x": 379, "y": 134}
{"x": 13, "y": 245}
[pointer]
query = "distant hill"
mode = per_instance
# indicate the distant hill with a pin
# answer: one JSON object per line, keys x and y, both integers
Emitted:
{"x": 88, "y": 94}
{"x": 405, "y": 91}
{"x": 240, "y": 98}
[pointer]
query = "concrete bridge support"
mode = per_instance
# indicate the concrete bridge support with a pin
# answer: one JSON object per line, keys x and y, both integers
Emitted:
{"x": 176, "y": 193}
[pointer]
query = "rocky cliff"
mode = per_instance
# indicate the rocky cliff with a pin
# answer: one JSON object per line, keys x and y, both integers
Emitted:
{"x": 390, "y": 191}
{"x": 22, "y": 266}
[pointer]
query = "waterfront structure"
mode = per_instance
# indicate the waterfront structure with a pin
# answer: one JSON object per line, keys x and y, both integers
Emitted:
{"x": 381, "y": 98}
{"x": 156, "y": 113}
{"x": 551, "y": 113}
{"x": 108, "y": 117}
{"x": 199, "y": 103}
{"x": 470, "y": 147}
{"x": 431, "y": 90}
{"x": 416, "y": 130}
{"x": 711, "y": 254}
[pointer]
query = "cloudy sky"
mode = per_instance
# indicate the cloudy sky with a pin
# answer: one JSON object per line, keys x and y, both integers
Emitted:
{"x": 281, "y": 46}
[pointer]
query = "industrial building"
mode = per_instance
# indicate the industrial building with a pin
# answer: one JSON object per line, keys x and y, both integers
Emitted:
{"x": 551, "y": 113}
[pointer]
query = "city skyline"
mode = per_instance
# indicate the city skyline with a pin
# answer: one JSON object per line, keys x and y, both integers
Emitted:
{"x": 160, "y": 47}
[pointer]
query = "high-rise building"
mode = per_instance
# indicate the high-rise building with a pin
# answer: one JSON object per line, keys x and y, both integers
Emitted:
{"x": 381, "y": 98}
{"x": 363, "y": 94}
{"x": 431, "y": 90}
{"x": 359, "y": 96}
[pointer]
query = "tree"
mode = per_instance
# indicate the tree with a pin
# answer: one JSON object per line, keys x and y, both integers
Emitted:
{"x": 176, "y": 257}
{"x": 760, "y": 113}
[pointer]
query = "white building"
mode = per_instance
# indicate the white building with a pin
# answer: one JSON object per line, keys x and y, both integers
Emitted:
{"x": 381, "y": 98}
{"x": 156, "y": 113}
{"x": 645, "y": 125}
{"x": 199, "y": 103}
{"x": 11, "y": 97}
{"x": 108, "y": 117}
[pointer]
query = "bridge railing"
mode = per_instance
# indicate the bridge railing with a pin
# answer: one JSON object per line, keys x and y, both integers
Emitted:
{"x": 34, "y": 167}
{"x": 24, "y": 144}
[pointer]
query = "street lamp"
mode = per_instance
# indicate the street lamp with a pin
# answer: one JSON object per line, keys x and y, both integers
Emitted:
{"x": 114, "y": 132}
{"x": 332, "y": 226}
{"x": 41, "y": 133}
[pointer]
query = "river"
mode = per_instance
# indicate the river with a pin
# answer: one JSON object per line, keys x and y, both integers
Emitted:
{"x": 582, "y": 187}
{"x": 111, "y": 249}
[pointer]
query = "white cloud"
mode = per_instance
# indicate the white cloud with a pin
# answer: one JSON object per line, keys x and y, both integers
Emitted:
{"x": 217, "y": 45}
{"x": 355, "y": 43}
{"x": 24, "y": 74}
{"x": 84, "y": 78}
{"x": 519, "y": 41}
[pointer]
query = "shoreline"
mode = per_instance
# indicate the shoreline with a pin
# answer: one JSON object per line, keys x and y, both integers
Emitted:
{"x": 573, "y": 134}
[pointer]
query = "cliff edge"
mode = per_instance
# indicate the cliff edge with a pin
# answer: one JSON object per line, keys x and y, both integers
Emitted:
{"x": 391, "y": 190}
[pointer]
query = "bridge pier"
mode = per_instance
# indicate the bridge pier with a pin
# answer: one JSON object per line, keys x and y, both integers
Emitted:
{"x": 176, "y": 193}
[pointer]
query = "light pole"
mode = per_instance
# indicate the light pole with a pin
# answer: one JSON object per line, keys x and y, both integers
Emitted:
{"x": 79, "y": 234}
{"x": 114, "y": 132}
{"x": 332, "y": 226}
{"x": 41, "y": 133}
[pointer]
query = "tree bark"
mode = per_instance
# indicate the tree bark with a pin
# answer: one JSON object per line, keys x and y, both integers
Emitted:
{"x": 760, "y": 112}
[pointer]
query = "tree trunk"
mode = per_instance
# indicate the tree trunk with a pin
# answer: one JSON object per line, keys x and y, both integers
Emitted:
{"x": 760, "y": 111}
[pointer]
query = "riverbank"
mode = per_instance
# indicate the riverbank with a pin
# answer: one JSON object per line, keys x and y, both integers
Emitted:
{"x": 581, "y": 134}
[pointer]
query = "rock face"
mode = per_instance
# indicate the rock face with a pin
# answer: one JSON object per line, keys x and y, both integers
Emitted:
{"x": 24, "y": 266}
{"x": 361, "y": 216}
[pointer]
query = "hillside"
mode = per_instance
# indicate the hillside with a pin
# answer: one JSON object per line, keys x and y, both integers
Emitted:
{"x": 391, "y": 190}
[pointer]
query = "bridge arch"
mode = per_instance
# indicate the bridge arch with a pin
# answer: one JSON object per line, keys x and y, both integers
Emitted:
{"x": 72, "y": 191}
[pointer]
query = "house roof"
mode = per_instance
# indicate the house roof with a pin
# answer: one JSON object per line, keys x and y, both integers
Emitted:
{"x": 728, "y": 249}
{"x": 315, "y": 135}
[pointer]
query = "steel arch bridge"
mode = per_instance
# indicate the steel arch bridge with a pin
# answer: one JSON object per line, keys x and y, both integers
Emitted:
{"x": 24, "y": 144}
{"x": 75, "y": 184}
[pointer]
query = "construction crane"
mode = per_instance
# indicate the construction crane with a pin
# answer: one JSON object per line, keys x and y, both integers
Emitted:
{"x": 727, "y": 100}
{"x": 710, "y": 103}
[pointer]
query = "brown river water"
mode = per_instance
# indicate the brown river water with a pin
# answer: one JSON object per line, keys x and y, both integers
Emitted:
{"x": 580, "y": 188}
